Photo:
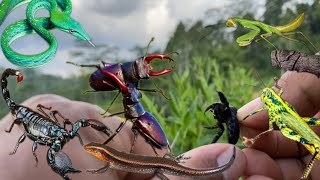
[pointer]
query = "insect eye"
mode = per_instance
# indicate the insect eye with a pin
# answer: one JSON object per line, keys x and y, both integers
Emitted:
{"x": 72, "y": 31}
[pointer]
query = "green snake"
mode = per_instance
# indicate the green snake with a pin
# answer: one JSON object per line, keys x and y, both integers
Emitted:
{"x": 59, "y": 10}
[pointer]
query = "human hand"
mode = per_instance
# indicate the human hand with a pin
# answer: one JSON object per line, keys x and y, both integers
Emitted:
{"x": 21, "y": 165}
{"x": 273, "y": 155}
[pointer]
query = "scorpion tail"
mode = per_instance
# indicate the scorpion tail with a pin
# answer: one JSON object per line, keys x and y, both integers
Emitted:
{"x": 5, "y": 92}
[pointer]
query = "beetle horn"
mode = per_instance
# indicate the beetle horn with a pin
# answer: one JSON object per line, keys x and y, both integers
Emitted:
{"x": 148, "y": 59}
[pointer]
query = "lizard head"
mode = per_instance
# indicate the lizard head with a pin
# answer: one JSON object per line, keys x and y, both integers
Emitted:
{"x": 100, "y": 151}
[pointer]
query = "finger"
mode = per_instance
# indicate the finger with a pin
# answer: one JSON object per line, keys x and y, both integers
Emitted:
{"x": 213, "y": 156}
{"x": 283, "y": 168}
{"x": 300, "y": 91}
{"x": 268, "y": 167}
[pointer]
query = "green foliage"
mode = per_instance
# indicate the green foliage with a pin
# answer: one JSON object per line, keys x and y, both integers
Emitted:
{"x": 182, "y": 117}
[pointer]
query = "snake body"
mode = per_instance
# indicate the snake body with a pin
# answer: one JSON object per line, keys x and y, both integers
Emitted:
{"x": 58, "y": 19}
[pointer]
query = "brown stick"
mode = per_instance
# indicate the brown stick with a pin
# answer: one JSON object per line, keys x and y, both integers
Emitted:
{"x": 296, "y": 61}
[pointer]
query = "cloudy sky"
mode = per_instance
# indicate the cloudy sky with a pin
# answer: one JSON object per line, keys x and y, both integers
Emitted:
{"x": 120, "y": 23}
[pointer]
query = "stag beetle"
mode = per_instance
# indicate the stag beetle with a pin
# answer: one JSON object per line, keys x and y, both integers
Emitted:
{"x": 44, "y": 130}
{"x": 225, "y": 114}
{"x": 143, "y": 122}
{"x": 128, "y": 72}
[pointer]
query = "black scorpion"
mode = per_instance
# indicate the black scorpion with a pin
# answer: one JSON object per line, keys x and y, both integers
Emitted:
{"x": 44, "y": 130}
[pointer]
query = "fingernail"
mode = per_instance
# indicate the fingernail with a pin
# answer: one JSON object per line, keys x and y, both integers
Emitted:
{"x": 224, "y": 158}
{"x": 248, "y": 108}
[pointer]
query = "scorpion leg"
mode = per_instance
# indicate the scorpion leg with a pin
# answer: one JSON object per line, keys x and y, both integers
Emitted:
{"x": 123, "y": 122}
{"x": 34, "y": 148}
{"x": 65, "y": 120}
{"x": 21, "y": 139}
{"x": 40, "y": 108}
{"x": 16, "y": 121}
{"x": 135, "y": 135}
{"x": 154, "y": 149}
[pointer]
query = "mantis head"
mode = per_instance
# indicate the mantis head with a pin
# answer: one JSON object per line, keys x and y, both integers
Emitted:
{"x": 231, "y": 23}
{"x": 67, "y": 24}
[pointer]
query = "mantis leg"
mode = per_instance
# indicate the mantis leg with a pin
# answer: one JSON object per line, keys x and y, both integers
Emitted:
{"x": 246, "y": 39}
{"x": 264, "y": 37}
{"x": 285, "y": 35}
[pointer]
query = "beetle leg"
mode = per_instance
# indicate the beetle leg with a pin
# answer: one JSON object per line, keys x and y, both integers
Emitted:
{"x": 219, "y": 133}
{"x": 135, "y": 135}
{"x": 123, "y": 122}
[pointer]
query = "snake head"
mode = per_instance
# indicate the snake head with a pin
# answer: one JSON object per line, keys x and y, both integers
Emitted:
{"x": 69, "y": 25}
{"x": 231, "y": 23}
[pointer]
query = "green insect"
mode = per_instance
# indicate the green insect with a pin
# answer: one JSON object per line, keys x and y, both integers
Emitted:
{"x": 59, "y": 18}
{"x": 257, "y": 26}
{"x": 290, "y": 124}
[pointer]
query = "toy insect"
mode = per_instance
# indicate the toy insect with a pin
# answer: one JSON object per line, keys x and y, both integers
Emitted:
{"x": 290, "y": 124}
{"x": 257, "y": 26}
{"x": 59, "y": 10}
{"x": 44, "y": 130}
{"x": 147, "y": 164}
{"x": 225, "y": 114}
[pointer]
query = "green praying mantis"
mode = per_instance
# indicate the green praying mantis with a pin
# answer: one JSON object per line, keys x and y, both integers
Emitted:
{"x": 257, "y": 27}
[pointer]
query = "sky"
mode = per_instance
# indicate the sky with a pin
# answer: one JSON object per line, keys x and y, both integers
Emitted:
{"x": 120, "y": 23}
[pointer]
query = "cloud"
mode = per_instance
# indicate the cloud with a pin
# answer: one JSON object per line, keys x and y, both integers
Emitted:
{"x": 120, "y": 23}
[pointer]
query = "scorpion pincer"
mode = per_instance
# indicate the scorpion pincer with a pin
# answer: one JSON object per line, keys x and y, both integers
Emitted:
{"x": 46, "y": 130}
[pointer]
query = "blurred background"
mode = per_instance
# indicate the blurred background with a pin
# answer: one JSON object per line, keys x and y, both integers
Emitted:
{"x": 209, "y": 58}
